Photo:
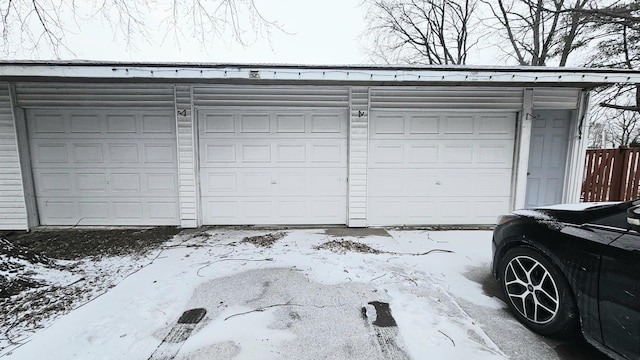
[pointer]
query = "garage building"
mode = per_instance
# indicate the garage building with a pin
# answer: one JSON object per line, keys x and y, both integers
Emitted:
{"x": 113, "y": 144}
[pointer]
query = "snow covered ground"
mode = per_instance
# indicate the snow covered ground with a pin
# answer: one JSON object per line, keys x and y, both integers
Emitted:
{"x": 287, "y": 296}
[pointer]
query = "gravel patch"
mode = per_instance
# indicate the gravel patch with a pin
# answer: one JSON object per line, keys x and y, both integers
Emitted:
{"x": 264, "y": 240}
{"x": 342, "y": 246}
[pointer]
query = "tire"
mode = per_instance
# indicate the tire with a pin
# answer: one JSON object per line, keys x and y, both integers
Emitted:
{"x": 537, "y": 293}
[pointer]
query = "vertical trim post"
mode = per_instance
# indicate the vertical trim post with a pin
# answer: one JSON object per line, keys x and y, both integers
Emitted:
{"x": 521, "y": 166}
{"x": 577, "y": 151}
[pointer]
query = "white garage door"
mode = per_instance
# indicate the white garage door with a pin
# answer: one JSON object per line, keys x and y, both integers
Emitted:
{"x": 104, "y": 167}
{"x": 273, "y": 166}
{"x": 439, "y": 168}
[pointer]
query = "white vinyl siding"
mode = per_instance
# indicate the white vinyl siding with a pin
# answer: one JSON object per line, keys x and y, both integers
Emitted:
{"x": 270, "y": 96}
{"x": 428, "y": 168}
{"x": 104, "y": 167}
{"x": 13, "y": 214}
{"x": 358, "y": 140}
{"x": 446, "y": 98}
{"x": 94, "y": 95}
{"x": 186, "y": 158}
{"x": 552, "y": 99}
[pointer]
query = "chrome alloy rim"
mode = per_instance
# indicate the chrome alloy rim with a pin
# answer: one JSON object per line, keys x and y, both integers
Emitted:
{"x": 531, "y": 289}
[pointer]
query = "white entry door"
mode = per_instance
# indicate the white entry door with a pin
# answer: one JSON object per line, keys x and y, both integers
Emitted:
{"x": 547, "y": 157}
{"x": 104, "y": 167}
{"x": 430, "y": 168}
{"x": 273, "y": 166}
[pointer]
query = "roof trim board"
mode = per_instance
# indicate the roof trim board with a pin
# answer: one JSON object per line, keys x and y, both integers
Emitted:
{"x": 269, "y": 74}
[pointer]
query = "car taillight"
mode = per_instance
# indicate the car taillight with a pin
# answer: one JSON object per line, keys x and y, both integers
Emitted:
{"x": 506, "y": 218}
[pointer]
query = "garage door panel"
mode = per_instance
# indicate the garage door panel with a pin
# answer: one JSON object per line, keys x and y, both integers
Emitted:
{"x": 161, "y": 210}
{"x": 439, "y": 168}
{"x": 498, "y": 153}
{"x": 291, "y": 123}
{"x": 327, "y": 124}
{"x": 89, "y": 123}
{"x": 273, "y": 152}
{"x": 85, "y": 124}
{"x": 104, "y": 167}
{"x": 158, "y": 124}
{"x": 87, "y": 153}
{"x": 48, "y": 124}
{"x": 94, "y": 210}
{"x": 402, "y": 181}
{"x": 291, "y": 153}
{"x": 455, "y": 154}
{"x": 274, "y": 210}
{"x": 48, "y": 153}
{"x": 389, "y": 124}
{"x": 255, "y": 153}
{"x": 218, "y": 123}
{"x": 421, "y": 125}
{"x": 276, "y": 181}
{"x": 219, "y": 153}
{"x": 441, "y": 153}
{"x": 122, "y": 182}
{"x": 59, "y": 211}
{"x": 101, "y": 182}
{"x": 422, "y": 154}
{"x": 90, "y": 182}
{"x": 434, "y": 210}
{"x": 387, "y": 153}
{"x": 424, "y": 124}
{"x": 458, "y": 124}
{"x": 255, "y": 123}
{"x": 273, "y": 166}
{"x": 155, "y": 153}
{"x": 121, "y": 124}
{"x": 328, "y": 154}
{"x": 53, "y": 181}
{"x": 495, "y": 124}
{"x": 108, "y": 153}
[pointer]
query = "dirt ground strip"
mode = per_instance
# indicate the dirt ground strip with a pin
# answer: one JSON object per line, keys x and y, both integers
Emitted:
{"x": 46, "y": 273}
{"x": 78, "y": 243}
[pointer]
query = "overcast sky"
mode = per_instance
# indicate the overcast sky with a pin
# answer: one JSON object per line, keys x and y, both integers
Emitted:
{"x": 324, "y": 32}
{"x": 317, "y": 32}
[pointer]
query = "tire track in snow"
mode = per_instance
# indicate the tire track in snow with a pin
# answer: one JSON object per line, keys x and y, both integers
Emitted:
{"x": 386, "y": 331}
{"x": 180, "y": 332}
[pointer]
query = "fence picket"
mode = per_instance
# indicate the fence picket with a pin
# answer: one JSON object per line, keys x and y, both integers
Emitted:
{"x": 611, "y": 175}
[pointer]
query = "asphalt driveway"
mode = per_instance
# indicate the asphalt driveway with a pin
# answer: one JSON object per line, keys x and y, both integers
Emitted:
{"x": 303, "y": 294}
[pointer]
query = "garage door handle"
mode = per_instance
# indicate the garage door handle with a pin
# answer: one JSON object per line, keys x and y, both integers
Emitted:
{"x": 273, "y": 182}
{"x": 438, "y": 183}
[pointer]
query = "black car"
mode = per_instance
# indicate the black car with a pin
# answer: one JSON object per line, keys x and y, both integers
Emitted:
{"x": 563, "y": 269}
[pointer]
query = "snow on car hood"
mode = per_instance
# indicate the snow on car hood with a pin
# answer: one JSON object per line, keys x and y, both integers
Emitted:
{"x": 555, "y": 215}
{"x": 578, "y": 206}
{"x": 533, "y": 214}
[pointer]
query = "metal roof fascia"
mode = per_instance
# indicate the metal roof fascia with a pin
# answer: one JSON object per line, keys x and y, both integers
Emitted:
{"x": 156, "y": 72}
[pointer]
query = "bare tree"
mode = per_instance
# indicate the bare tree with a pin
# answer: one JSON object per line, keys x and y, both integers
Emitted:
{"x": 618, "y": 46}
{"x": 538, "y": 31}
{"x": 597, "y": 135}
{"x": 45, "y": 24}
{"x": 420, "y": 31}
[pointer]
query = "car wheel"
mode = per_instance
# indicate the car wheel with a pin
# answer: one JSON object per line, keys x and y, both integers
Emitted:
{"x": 537, "y": 293}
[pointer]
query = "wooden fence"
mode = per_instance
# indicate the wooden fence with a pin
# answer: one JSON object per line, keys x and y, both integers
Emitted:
{"x": 611, "y": 175}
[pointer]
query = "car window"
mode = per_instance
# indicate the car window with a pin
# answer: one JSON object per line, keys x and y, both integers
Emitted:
{"x": 618, "y": 220}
